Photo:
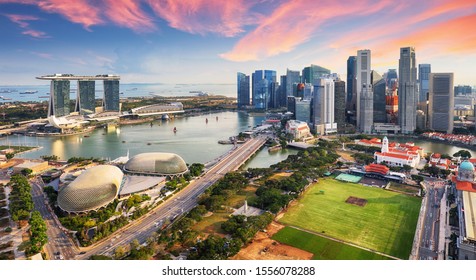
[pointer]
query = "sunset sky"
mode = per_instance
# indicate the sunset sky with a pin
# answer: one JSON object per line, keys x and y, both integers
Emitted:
{"x": 208, "y": 41}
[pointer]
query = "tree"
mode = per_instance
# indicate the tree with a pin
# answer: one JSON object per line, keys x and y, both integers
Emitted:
{"x": 417, "y": 178}
{"x": 407, "y": 168}
{"x": 38, "y": 236}
{"x": 462, "y": 153}
{"x": 9, "y": 156}
{"x": 26, "y": 171}
{"x": 135, "y": 244}
{"x": 120, "y": 252}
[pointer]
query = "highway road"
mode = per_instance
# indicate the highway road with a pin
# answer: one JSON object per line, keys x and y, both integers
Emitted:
{"x": 431, "y": 224}
{"x": 58, "y": 240}
{"x": 181, "y": 202}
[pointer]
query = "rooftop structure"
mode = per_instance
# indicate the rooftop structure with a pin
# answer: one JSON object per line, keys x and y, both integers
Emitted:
{"x": 396, "y": 154}
{"x": 91, "y": 190}
{"x": 298, "y": 129}
{"x": 59, "y": 101}
{"x": 465, "y": 185}
{"x": 159, "y": 164}
{"x": 69, "y": 77}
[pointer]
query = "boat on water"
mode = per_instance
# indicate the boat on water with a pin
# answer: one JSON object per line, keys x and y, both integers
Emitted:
{"x": 5, "y": 98}
{"x": 7, "y": 90}
{"x": 29, "y": 92}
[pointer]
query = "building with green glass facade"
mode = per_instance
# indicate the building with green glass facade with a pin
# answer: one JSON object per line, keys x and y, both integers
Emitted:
{"x": 85, "y": 100}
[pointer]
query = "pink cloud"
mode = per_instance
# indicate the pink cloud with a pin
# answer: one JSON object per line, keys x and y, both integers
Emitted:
{"x": 23, "y": 23}
{"x": 77, "y": 11}
{"x": 35, "y": 34}
{"x": 43, "y": 55}
{"x": 441, "y": 37}
{"x": 128, "y": 13}
{"x": 294, "y": 23}
{"x": 226, "y": 18}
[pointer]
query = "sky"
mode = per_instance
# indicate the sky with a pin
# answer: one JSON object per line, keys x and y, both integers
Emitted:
{"x": 209, "y": 41}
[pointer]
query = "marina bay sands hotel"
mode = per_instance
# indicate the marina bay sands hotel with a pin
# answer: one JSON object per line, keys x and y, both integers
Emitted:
{"x": 85, "y": 101}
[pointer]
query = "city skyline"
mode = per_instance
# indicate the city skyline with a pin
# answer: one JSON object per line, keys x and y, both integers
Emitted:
{"x": 158, "y": 41}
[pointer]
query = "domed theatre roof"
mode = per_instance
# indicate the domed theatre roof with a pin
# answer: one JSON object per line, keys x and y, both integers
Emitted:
{"x": 94, "y": 188}
{"x": 156, "y": 163}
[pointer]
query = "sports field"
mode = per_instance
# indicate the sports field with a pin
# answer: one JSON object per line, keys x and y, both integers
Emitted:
{"x": 323, "y": 248}
{"x": 386, "y": 223}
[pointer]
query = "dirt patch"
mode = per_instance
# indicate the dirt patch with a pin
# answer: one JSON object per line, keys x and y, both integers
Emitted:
{"x": 264, "y": 248}
{"x": 356, "y": 201}
{"x": 281, "y": 175}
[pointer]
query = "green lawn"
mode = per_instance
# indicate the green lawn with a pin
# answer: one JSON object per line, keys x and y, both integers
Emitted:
{"x": 323, "y": 248}
{"x": 212, "y": 224}
{"x": 386, "y": 223}
{"x": 17, "y": 149}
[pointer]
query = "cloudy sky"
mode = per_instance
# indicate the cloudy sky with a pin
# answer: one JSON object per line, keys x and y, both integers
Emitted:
{"x": 208, "y": 41}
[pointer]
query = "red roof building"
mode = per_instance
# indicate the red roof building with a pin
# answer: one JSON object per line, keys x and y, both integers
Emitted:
{"x": 377, "y": 168}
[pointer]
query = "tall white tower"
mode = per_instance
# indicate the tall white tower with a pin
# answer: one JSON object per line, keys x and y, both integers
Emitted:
{"x": 385, "y": 145}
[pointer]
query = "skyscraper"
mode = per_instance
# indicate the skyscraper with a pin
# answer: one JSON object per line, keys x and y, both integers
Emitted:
{"x": 366, "y": 108}
{"x": 261, "y": 87}
{"x": 292, "y": 77}
{"x": 339, "y": 104}
{"x": 274, "y": 89}
{"x": 424, "y": 71}
{"x": 59, "y": 98}
{"x": 243, "y": 90}
{"x": 363, "y": 82}
{"x": 351, "y": 80}
{"x": 407, "y": 90}
{"x": 463, "y": 90}
{"x": 303, "y": 110}
{"x": 111, "y": 95}
{"x": 313, "y": 73}
{"x": 441, "y": 104}
{"x": 379, "y": 100}
{"x": 85, "y": 100}
{"x": 323, "y": 107}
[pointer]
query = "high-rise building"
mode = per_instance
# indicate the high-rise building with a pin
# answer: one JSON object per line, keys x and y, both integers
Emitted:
{"x": 339, "y": 104}
{"x": 441, "y": 104}
{"x": 85, "y": 99}
{"x": 292, "y": 78}
{"x": 323, "y": 107}
{"x": 391, "y": 103}
{"x": 366, "y": 108}
{"x": 424, "y": 71}
{"x": 307, "y": 91}
{"x": 351, "y": 80}
{"x": 379, "y": 99}
{"x": 282, "y": 96}
{"x": 407, "y": 90}
{"x": 313, "y": 73}
{"x": 303, "y": 110}
{"x": 274, "y": 95}
{"x": 291, "y": 105}
{"x": 261, "y": 88}
{"x": 391, "y": 74}
{"x": 363, "y": 82}
{"x": 59, "y": 98}
{"x": 111, "y": 95}
{"x": 243, "y": 90}
{"x": 463, "y": 90}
